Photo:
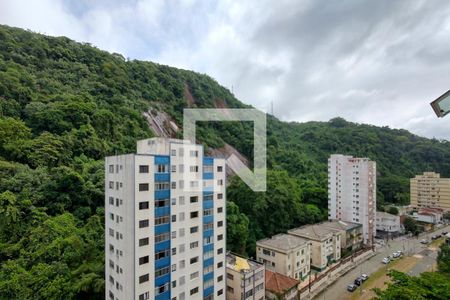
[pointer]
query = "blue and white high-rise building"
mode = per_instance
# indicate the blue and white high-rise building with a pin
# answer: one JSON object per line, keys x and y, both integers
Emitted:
{"x": 165, "y": 223}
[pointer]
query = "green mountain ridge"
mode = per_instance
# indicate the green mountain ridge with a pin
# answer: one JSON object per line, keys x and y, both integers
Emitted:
{"x": 64, "y": 106}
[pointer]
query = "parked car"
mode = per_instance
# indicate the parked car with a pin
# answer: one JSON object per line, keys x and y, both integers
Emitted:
{"x": 385, "y": 260}
{"x": 443, "y": 233}
{"x": 435, "y": 237}
{"x": 424, "y": 241}
{"x": 358, "y": 281}
{"x": 351, "y": 287}
{"x": 364, "y": 277}
{"x": 396, "y": 255}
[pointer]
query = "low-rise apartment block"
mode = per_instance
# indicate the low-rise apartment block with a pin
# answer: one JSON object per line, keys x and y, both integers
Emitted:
{"x": 352, "y": 234}
{"x": 285, "y": 254}
{"x": 388, "y": 222}
{"x": 281, "y": 287}
{"x": 429, "y": 215}
{"x": 245, "y": 278}
{"x": 325, "y": 244}
{"x": 430, "y": 190}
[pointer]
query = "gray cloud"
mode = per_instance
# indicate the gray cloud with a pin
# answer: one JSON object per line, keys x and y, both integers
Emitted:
{"x": 378, "y": 62}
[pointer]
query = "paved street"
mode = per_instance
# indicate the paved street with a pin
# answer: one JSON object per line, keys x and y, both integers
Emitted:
{"x": 410, "y": 246}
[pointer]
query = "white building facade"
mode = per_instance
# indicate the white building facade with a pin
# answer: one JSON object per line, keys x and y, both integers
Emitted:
{"x": 352, "y": 192}
{"x": 388, "y": 222}
{"x": 164, "y": 223}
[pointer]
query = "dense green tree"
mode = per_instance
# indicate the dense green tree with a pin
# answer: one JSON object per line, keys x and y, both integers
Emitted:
{"x": 443, "y": 260}
{"x": 393, "y": 210}
{"x": 411, "y": 225}
{"x": 237, "y": 229}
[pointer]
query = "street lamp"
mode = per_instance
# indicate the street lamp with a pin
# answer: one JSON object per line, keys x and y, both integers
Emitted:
{"x": 441, "y": 105}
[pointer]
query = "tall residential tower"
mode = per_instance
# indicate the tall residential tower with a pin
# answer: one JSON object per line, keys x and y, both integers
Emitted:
{"x": 352, "y": 192}
{"x": 164, "y": 223}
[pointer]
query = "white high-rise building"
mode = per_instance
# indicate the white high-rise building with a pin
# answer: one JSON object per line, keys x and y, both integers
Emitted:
{"x": 164, "y": 223}
{"x": 352, "y": 192}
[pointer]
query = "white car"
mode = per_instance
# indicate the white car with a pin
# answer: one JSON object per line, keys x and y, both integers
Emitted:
{"x": 396, "y": 254}
{"x": 385, "y": 260}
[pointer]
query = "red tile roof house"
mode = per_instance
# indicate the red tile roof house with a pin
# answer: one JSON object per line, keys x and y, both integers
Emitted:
{"x": 279, "y": 286}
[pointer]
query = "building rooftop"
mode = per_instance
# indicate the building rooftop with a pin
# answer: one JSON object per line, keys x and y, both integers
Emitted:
{"x": 243, "y": 265}
{"x": 283, "y": 242}
{"x": 337, "y": 224}
{"x": 314, "y": 231}
{"x": 278, "y": 283}
{"x": 382, "y": 214}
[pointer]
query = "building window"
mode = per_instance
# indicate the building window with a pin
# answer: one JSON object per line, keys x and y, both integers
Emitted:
{"x": 181, "y": 168}
{"x": 143, "y": 260}
{"x": 208, "y": 169}
{"x": 220, "y": 251}
{"x": 219, "y": 210}
{"x": 111, "y": 200}
{"x": 143, "y": 223}
{"x": 143, "y": 242}
{"x": 193, "y": 199}
{"x": 144, "y": 296}
{"x": 111, "y": 168}
{"x": 143, "y": 169}
{"x": 143, "y": 278}
{"x": 194, "y": 290}
{"x": 174, "y": 185}
{"x": 220, "y": 182}
{"x": 162, "y": 271}
{"x": 143, "y": 187}
{"x": 208, "y": 212}
{"x": 208, "y": 269}
{"x": 193, "y": 169}
{"x": 162, "y": 254}
{"x": 173, "y": 168}
{"x": 174, "y": 218}
{"x": 194, "y": 229}
{"x": 181, "y": 200}
{"x": 208, "y": 240}
{"x": 173, "y": 152}
{"x": 219, "y": 169}
{"x": 194, "y": 214}
{"x": 162, "y": 220}
{"x": 162, "y": 237}
{"x": 111, "y": 232}
{"x": 220, "y": 237}
{"x": 194, "y": 275}
{"x": 208, "y": 226}
{"x": 161, "y": 202}
{"x": 219, "y": 292}
{"x": 143, "y": 205}
{"x": 194, "y": 260}
{"x": 111, "y": 184}
{"x": 220, "y": 196}
{"x": 161, "y": 289}
{"x": 219, "y": 265}
{"x": 193, "y": 153}
{"x": 193, "y": 245}
{"x": 220, "y": 224}
{"x": 230, "y": 289}
{"x": 161, "y": 186}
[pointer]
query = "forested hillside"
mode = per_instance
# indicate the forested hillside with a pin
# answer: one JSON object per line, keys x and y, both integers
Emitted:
{"x": 65, "y": 105}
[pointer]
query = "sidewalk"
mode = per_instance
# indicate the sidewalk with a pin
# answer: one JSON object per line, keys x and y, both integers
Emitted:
{"x": 330, "y": 275}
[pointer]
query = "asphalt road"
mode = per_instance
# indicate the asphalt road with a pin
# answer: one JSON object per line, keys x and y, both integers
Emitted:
{"x": 410, "y": 246}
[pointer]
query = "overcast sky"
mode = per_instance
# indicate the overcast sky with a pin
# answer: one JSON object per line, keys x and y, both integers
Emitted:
{"x": 377, "y": 62}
